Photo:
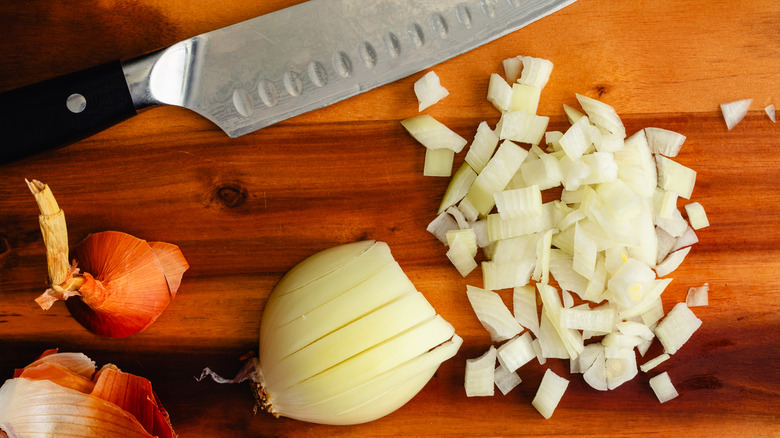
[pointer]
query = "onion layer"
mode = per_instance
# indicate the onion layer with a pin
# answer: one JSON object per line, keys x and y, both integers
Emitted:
{"x": 346, "y": 338}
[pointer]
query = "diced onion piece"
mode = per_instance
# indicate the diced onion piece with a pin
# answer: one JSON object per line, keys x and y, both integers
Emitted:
{"x": 602, "y": 115}
{"x": 696, "y": 215}
{"x": 516, "y": 352}
{"x": 698, "y": 296}
{"x": 656, "y": 288}
{"x": 460, "y": 253}
{"x": 550, "y": 341}
{"x": 585, "y": 253}
{"x": 630, "y": 283}
{"x": 522, "y": 127}
{"x": 675, "y": 225}
{"x": 543, "y": 247}
{"x": 575, "y": 141}
{"x": 572, "y": 114}
{"x": 495, "y": 176}
{"x": 549, "y": 394}
{"x": 517, "y": 203}
{"x": 734, "y": 112}
{"x": 621, "y": 368}
{"x": 572, "y": 340}
{"x": 545, "y": 172}
{"x": 668, "y": 204}
{"x": 596, "y": 374}
{"x": 442, "y": 223}
{"x": 468, "y": 237}
{"x": 663, "y": 387}
{"x": 506, "y": 380}
{"x": 512, "y": 68}
{"x": 493, "y": 314}
{"x": 636, "y": 166}
{"x": 677, "y": 327}
{"x": 653, "y": 313}
{"x": 506, "y": 275}
{"x": 438, "y": 162}
{"x": 499, "y": 93}
{"x": 538, "y": 349}
{"x": 458, "y": 186}
{"x": 524, "y": 308}
{"x": 671, "y": 262}
{"x": 562, "y": 269}
{"x": 664, "y": 142}
{"x": 536, "y": 71}
{"x": 482, "y": 148}
{"x": 770, "y": 112}
{"x": 608, "y": 142}
{"x": 433, "y": 134}
{"x": 480, "y": 374}
{"x": 633, "y": 328}
{"x": 597, "y": 320}
{"x": 687, "y": 238}
{"x": 525, "y": 97}
{"x": 675, "y": 177}
{"x": 654, "y": 362}
{"x": 598, "y": 283}
{"x": 429, "y": 90}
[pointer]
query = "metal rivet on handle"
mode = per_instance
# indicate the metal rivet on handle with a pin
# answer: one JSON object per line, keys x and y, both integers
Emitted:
{"x": 76, "y": 103}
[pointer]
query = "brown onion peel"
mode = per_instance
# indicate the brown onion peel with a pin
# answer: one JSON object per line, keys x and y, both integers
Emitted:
{"x": 118, "y": 284}
{"x": 64, "y": 393}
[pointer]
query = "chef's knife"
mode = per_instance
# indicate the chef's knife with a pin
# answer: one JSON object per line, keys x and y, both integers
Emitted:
{"x": 264, "y": 70}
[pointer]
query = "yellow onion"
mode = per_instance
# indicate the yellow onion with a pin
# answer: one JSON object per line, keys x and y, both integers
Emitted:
{"x": 62, "y": 394}
{"x": 346, "y": 338}
{"x": 118, "y": 284}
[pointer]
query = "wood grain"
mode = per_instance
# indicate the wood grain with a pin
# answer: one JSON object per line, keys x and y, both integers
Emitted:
{"x": 246, "y": 210}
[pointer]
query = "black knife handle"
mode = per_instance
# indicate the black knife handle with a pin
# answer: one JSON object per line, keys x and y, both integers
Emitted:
{"x": 63, "y": 110}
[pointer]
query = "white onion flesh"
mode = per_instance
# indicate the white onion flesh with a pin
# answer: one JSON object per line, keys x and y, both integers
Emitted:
{"x": 346, "y": 338}
{"x": 433, "y": 134}
{"x": 516, "y": 352}
{"x": 677, "y": 327}
{"x": 506, "y": 380}
{"x": 438, "y": 162}
{"x": 734, "y": 112}
{"x": 429, "y": 90}
{"x": 607, "y": 242}
{"x": 654, "y": 362}
{"x": 770, "y": 112}
{"x": 698, "y": 296}
{"x": 549, "y": 394}
{"x": 663, "y": 388}
{"x": 480, "y": 374}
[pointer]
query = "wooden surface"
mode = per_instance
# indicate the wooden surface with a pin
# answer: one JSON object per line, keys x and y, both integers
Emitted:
{"x": 246, "y": 210}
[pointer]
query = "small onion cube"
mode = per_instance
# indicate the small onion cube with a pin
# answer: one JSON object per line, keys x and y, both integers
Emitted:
{"x": 517, "y": 203}
{"x": 480, "y": 374}
{"x": 458, "y": 186}
{"x": 482, "y": 148}
{"x": 677, "y": 327}
{"x": 524, "y": 308}
{"x": 522, "y": 127}
{"x": 507, "y": 274}
{"x": 675, "y": 177}
{"x": 549, "y": 394}
{"x": 506, "y": 380}
{"x": 575, "y": 141}
{"x": 770, "y": 112}
{"x": 696, "y": 215}
{"x": 429, "y": 90}
{"x": 663, "y": 387}
{"x": 664, "y": 142}
{"x": 459, "y": 254}
{"x": 516, "y": 352}
{"x": 621, "y": 369}
{"x": 525, "y": 98}
{"x": 602, "y": 115}
{"x": 653, "y": 313}
{"x": 698, "y": 296}
{"x": 687, "y": 238}
{"x": 433, "y": 134}
{"x": 636, "y": 166}
{"x": 438, "y": 162}
{"x": 512, "y": 68}
{"x": 597, "y": 320}
{"x": 495, "y": 176}
{"x": 499, "y": 93}
{"x": 734, "y": 112}
{"x": 468, "y": 237}
{"x": 493, "y": 314}
{"x": 572, "y": 114}
{"x": 442, "y": 223}
{"x": 536, "y": 71}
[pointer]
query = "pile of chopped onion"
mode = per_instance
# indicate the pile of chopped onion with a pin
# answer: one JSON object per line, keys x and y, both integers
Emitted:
{"x": 597, "y": 258}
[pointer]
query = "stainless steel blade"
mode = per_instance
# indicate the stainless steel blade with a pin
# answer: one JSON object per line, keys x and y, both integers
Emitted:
{"x": 261, "y": 71}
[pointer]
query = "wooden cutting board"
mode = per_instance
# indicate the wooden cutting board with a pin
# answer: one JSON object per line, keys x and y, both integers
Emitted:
{"x": 246, "y": 210}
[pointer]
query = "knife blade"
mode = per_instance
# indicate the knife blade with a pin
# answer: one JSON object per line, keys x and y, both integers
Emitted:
{"x": 264, "y": 70}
